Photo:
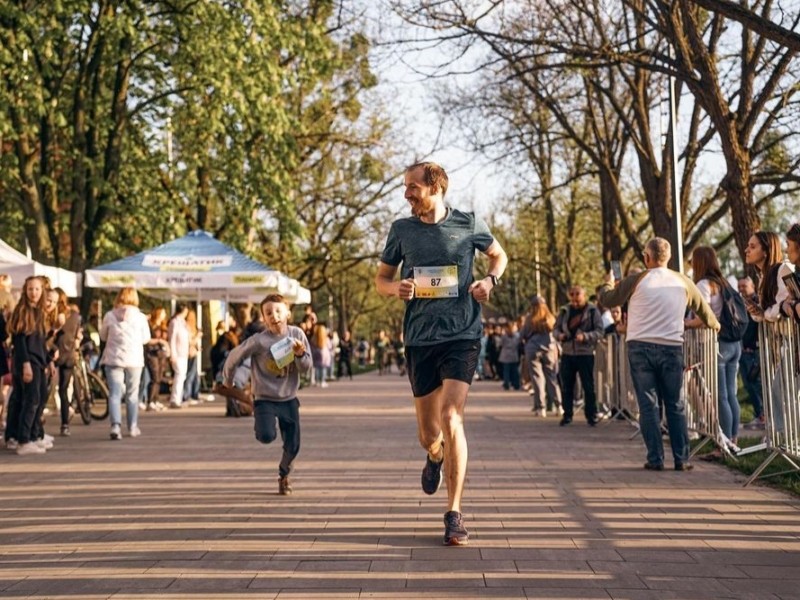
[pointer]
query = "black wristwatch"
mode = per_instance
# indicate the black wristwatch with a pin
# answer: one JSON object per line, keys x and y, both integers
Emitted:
{"x": 494, "y": 279}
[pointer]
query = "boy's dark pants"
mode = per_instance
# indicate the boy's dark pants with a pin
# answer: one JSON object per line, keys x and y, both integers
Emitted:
{"x": 287, "y": 414}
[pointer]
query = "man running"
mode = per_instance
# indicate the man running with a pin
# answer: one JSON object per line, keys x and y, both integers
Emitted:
{"x": 442, "y": 323}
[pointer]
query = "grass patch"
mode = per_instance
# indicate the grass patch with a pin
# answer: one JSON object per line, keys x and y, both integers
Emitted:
{"x": 748, "y": 463}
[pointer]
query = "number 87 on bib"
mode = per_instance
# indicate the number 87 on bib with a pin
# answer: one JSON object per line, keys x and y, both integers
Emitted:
{"x": 436, "y": 282}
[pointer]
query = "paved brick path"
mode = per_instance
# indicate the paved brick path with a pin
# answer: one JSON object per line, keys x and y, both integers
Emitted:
{"x": 190, "y": 510}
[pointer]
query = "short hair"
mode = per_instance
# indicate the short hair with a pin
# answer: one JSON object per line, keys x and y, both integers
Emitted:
{"x": 127, "y": 296}
{"x": 660, "y": 250}
{"x": 272, "y": 298}
{"x": 433, "y": 175}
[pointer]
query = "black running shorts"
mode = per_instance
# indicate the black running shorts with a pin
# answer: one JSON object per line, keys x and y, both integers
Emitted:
{"x": 428, "y": 366}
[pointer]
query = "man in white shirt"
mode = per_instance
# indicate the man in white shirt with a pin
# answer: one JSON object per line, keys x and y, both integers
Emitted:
{"x": 657, "y": 301}
{"x": 178, "y": 335}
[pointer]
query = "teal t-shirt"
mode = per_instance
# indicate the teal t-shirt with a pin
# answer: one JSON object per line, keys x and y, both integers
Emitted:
{"x": 450, "y": 242}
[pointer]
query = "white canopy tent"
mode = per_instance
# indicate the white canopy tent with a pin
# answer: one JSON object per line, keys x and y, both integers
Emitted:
{"x": 195, "y": 268}
{"x": 19, "y": 267}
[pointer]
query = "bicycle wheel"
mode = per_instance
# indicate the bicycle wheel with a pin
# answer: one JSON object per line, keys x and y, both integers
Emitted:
{"x": 99, "y": 393}
{"x": 81, "y": 398}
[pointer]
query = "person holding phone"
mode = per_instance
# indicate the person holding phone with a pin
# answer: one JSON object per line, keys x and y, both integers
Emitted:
{"x": 764, "y": 253}
{"x": 657, "y": 301}
{"x": 791, "y": 306}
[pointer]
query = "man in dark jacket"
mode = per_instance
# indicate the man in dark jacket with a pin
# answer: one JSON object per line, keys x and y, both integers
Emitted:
{"x": 579, "y": 327}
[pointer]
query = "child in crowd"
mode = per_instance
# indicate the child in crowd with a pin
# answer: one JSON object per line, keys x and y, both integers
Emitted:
{"x": 279, "y": 354}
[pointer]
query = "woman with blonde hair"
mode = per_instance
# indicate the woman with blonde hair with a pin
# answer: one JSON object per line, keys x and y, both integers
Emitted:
{"x": 321, "y": 353}
{"x": 125, "y": 332}
{"x": 156, "y": 355}
{"x": 27, "y": 329}
{"x": 541, "y": 357}
{"x": 191, "y": 387}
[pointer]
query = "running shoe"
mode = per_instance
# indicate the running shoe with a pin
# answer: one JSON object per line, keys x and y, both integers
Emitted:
{"x": 116, "y": 432}
{"x": 455, "y": 534}
{"x": 431, "y": 476}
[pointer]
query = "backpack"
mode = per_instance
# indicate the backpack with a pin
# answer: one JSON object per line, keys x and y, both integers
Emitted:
{"x": 734, "y": 317}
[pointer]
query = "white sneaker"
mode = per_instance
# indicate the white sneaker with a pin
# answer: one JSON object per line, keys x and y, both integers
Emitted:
{"x": 30, "y": 448}
{"x": 174, "y": 405}
{"x": 142, "y": 406}
{"x": 116, "y": 432}
{"x": 542, "y": 412}
{"x": 193, "y": 402}
{"x": 49, "y": 438}
{"x": 134, "y": 431}
{"x": 12, "y": 445}
{"x": 324, "y": 384}
{"x": 44, "y": 443}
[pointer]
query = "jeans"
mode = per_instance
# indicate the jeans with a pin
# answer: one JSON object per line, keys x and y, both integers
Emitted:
{"x": 123, "y": 380}
{"x": 543, "y": 373}
{"x": 191, "y": 387}
{"x": 749, "y": 369}
{"x": 727, "y": 366}
{"x": 571, "y": 368}
{"x": 510, "y": 375}
{"x": 287, "y": 415}
{"x": 657, "y": 373}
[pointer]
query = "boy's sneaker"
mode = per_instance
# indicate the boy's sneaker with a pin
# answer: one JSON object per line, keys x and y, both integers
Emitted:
{"x": 116, "y": 432}
{"x": 30, "y": 448}
{"x": 284, "y": 486}
{"x": 455, "y": 534}
{"x": 134, "y": 431}
{"x": 431, "y": 476}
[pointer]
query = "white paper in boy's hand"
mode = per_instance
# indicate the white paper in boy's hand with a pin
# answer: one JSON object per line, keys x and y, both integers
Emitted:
{"x": 283, "y": 352}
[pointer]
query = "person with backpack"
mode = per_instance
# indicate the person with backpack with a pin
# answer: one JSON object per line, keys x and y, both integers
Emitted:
{"x": 729, "y": 308}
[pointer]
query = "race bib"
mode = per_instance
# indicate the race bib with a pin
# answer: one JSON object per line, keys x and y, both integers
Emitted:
{"x": 283, "y": 352}
{"x": 436, "y": 282}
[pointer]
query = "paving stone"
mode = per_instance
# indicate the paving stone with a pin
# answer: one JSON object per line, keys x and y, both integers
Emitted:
{"x": 190, "y": 510}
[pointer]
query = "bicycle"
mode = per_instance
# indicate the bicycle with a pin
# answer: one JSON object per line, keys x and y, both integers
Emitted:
{"x": 90, "y": 391}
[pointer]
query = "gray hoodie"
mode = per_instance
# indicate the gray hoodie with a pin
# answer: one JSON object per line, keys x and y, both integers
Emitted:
{"x": 267, "y": 381}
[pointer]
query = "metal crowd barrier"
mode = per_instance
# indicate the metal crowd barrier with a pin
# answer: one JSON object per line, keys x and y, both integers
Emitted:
{"x": 700, "y": 388}
{"x": 779, "y": 345}
{"x": 613, "y": 381}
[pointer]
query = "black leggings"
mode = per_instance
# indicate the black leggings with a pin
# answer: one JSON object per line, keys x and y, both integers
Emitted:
{"x": 64, "y": 377}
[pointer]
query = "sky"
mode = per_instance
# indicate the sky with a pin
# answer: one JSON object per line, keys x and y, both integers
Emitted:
{"x": 423, "y": 133}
